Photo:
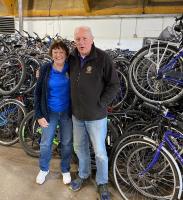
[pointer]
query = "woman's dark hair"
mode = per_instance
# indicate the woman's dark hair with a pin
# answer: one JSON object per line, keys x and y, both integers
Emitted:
{"x": 56, "y": 44}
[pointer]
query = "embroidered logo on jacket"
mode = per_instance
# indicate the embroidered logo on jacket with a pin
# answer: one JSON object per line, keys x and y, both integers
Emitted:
{"x": 89, "y": 70}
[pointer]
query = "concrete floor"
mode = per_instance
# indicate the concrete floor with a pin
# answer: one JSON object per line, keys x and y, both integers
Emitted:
{"x": 17, "y": 177}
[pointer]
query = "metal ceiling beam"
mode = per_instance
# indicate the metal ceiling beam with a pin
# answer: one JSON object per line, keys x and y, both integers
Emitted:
{"x": 9, "y": 5}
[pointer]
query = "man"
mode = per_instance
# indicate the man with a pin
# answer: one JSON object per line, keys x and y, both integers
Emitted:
{"x": 94, "y": 84}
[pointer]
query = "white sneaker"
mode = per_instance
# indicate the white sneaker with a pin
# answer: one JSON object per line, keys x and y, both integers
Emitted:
{"x": 40, "y": 179}
{"x": 66, "y": 178}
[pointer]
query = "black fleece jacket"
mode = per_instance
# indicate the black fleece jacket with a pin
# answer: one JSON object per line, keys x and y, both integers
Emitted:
{"x": 93, "y": 86}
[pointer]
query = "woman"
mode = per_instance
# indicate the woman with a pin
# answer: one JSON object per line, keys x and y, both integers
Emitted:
{"x": 52, "y": 107}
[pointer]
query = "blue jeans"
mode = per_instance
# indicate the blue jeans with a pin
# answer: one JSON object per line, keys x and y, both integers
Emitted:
{"x": 96, "y": 131}
{"x": 66, "y": 139}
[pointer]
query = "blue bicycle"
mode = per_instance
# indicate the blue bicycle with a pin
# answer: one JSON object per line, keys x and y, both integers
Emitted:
{"x": 156, "y": 71}
{"x": 12, "y": 113}
{"x": 150, "y": 166}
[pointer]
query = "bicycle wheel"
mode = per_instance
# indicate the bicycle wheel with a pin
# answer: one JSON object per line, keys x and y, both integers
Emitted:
{"x": 122, "y": 64}
{"x": 12, "y": 113}
{"x": 30, "y": 135}
{"x": 163, "y": 181}
{"x": 32, "y": 65}
{"x": 4, "y": 50}
{"x": 130, "y": 101}
{"x": 122, "y": 92}
{"x": 122, "y": 139}
{"x": 12, "y": 72}
{"x": 143, "y": 74}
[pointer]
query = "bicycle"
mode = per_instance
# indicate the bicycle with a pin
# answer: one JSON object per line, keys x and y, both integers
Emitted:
{"x": 146, "y": 168}
{"x": 156, "y": 71}
{"x": 30, "y": 137}
{"x": 12, "y": 113}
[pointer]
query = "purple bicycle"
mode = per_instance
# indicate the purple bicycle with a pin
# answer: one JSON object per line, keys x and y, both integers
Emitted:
{"x": 150, "y": 167}
{"x": 156, "y": 71}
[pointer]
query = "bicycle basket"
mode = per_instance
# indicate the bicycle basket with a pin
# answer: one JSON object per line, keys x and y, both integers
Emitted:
{"x": 168, "y": 34}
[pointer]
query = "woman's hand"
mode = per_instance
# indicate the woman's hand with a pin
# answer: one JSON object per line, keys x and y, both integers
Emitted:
{"x": 37, "y": 73}
{"x": 43, "y": 123}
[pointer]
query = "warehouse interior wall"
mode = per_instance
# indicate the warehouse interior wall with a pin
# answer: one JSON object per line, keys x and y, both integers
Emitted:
{"x": 109, "y": 32}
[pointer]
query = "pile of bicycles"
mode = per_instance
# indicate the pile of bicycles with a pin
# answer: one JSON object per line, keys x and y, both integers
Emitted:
{"x": 145, "y": 120}
{"x": 147, "y": 163}
{"x": 20, "y": 59}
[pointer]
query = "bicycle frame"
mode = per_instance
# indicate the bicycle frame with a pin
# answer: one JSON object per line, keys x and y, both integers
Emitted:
{"x": 166, "y": 139}
{"x": 3, "y": 118}
{"x": 170, "y": 66}
{"x": 3, "y": 121}
{"x": 174, "y": 81}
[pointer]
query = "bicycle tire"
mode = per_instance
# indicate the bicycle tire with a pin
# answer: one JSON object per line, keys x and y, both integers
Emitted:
{"x": 136, "y": 126}
{"x": 122, "y": 92}
{"x": 4, "y": 50}
{"x": 32, "y": 65}
{"x": 124, "y": 138}
{"x": 143, "y": 75}
{"x": 125, "y": 184}
{"x": 122, "y": 64}
{"x": 28, "y": 137}
{"x": 10, "y": 69}
{"x": 12, "y": 113}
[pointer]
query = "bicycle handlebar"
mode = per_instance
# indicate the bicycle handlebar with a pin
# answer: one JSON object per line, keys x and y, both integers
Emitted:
{"x": 37, "y": 35}
{"x": 19, "y": 32}
{"x": 179, "y": 18}
{"x": 26, "y": 33}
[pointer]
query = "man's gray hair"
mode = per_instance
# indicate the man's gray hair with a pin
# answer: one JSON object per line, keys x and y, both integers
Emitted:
{"x": 86, "y": 28}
